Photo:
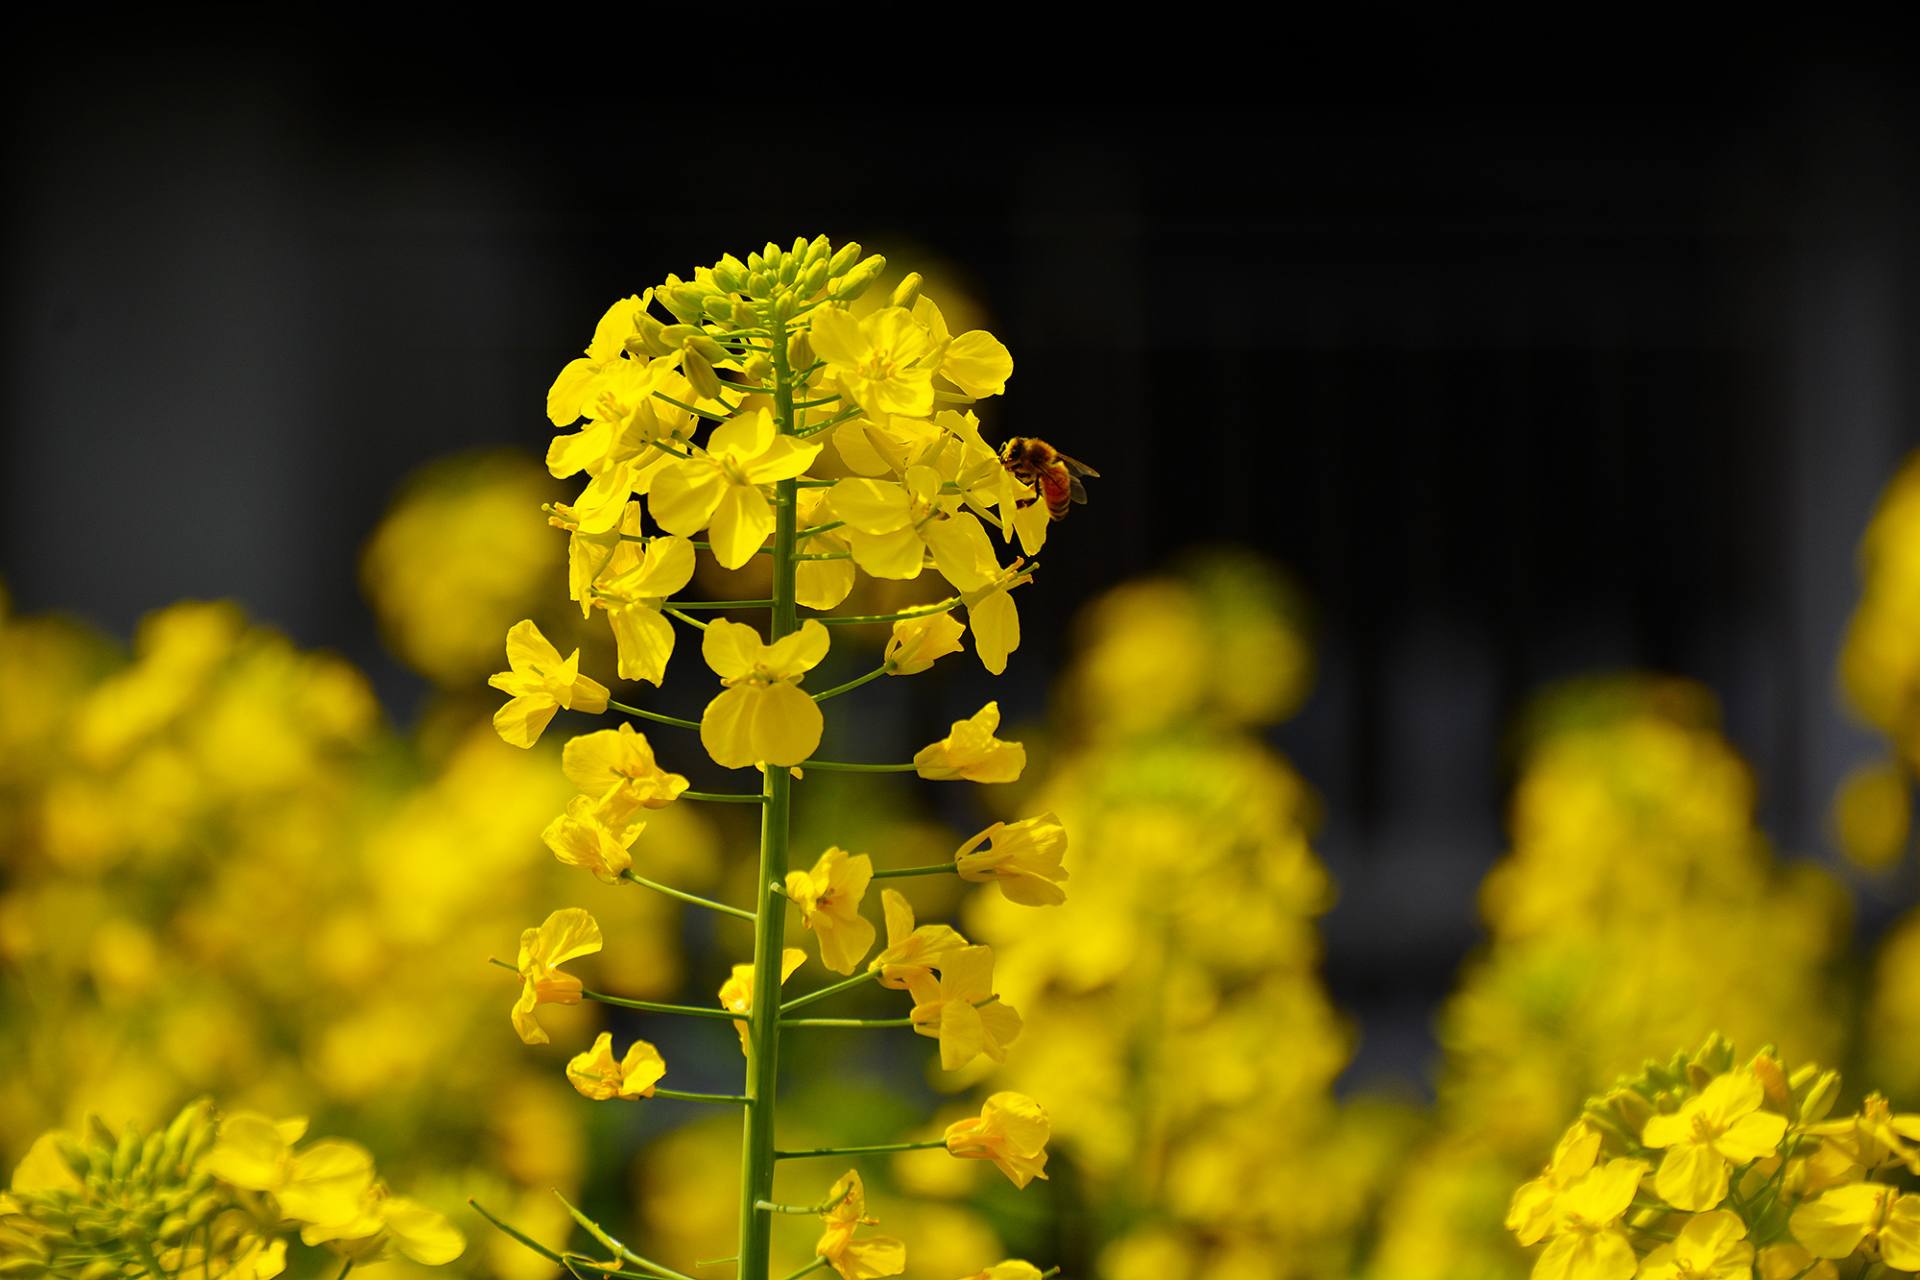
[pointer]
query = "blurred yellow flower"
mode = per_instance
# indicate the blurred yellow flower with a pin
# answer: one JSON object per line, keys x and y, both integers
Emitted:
{"x": 540, "y": 683}
{"x": 1712, "y": 1246}
{"x": 597, "y": 1074}
{"x": 1587, "y": 1242}
{"x": 1011, "y": 1130}
{"x": 567, "y": 934}
{"x": 1531, "y": 1214}
{"x": 971, "y": 751}
{"x": 1836, "y": 1223}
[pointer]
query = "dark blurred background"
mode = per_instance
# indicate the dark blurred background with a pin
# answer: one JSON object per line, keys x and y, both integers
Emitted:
{"x": 1519, "y": 386}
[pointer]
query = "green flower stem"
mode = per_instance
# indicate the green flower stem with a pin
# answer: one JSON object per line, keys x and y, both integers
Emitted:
{"x": 613, "y": 1246}
{"x": 687, "y": 618}
{"x": 839, "y": 419}
{"x": 828, "y": 555}
{"x": 716, "y": 604}
{"x": 681, "y": 404}
{"x": 731, "y": 1099}
{"x": 664, "y": 447}
{"x": 935, "y": 869}
{"x": 345, "y": 1270}
{"x": 799, "y": 1002}
{"x": 846, "y": 1022}
{"x": 812, "y": 484}
{"x": 769, "y": 934}
{"x": 815, "y": 404}
{"x": 810, "y": 530}
{"x": 809, "y": 1269}
{"x": 654, "y": 1006}
{"x": 654, "y": 716}
{"x": 143, "y": 1252}
{"x": 722, "y": 797}
{"x": 842, "y": 766}
{"x": 922, "y": 611}
{"x": 572, "y": 1262}
{"x": 851, "y": 685}
{"x": 878, "y": 1149}
{"x": 691, "y": 899}
{"x": 768, "y": 1206}
{"x": 704, "y": 545}
{"x": 1049, "y": 1273}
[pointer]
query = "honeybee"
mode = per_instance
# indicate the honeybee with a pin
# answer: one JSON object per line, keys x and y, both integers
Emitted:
{"x": 1052, "y": 473}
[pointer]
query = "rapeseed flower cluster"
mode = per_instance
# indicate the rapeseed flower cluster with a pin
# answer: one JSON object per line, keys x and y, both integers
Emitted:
{"x": 226, "y": 876}
{"x": 1636, "y": 871}
{"x": 221, "y": 1196}
{"x": 751, "y": 425}
{"x": 1178, "y": 1022}
{"x": 1873, "y": 810}
{"x": 1711, "y": 1167}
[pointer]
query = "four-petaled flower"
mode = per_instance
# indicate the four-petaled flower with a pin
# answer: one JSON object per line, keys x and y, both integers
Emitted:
{"x": 854, "y": 1259}
{"x": 1022, "y": 857}
{"x": 1720, "y": 1127}
{"x": 540, "y": 683}
{"x": 567, "y": 934}
{"x": 1011, "y": 1130}
{"x": 599, "y": 1075}
{"x": 761, "y": 717}
{"x": 720, "y": 490}
{"x": 971, "y": 751}
{"x": 829, "y": 900}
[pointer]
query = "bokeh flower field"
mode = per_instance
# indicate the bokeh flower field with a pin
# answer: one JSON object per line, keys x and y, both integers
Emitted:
{"x": 230, "y": 875}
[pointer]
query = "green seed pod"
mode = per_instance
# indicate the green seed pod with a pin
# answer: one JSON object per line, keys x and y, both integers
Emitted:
{"x": 907, "y": 291}
{"x": 860, "y": 279}
{"x": 799, "y": 350}
{"x": 706, "y": 384}
{"x": 819, "y": 249}
{"x": 813, "y": 279}
{"x": 842, "y": 262}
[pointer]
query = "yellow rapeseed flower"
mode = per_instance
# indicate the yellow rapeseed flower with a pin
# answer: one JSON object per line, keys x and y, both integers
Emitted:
{"x": 322, "y": 1185}
{"x": 597, "y": 1074}
{"x": 856, "y": 1259}
{"x": 910, "y": 950}
{"x": 719, "y": 489}
{"x": 1012, "y": 1269}
{"x": 976, "y": 362}
{"x": 1022, "y": 857}
{"x": 884, "y": 363}
{"x": 567, "y": 934}
{"x": 1011, "y": 1130}
{"x": 736, "y": 993}
{"x": 959, "y": 1010}
{"x": 637, "y": 583}
{"x": 829, "y": 900}
{"x": 581, "y": 837}
{"x": 1712, "y": 1246}
{"x": 917, "y": 643}
{"x": 1836, "y": 1223}
{"x": 617, "y": 768}
{"x": 761, "y": 717}
{"x": 1721, "y": 1126}
{"x": 994, "y": 617}
{"x": 1530, "y": 1215}
{"x": 570, "y": 390}
{"x": 540, "y": 683}
{"x": 1587, "y": 1242}
{"x": 971, "y": 751}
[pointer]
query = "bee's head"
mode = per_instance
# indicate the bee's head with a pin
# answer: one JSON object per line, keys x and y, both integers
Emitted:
{"x": 1014, "y": 449}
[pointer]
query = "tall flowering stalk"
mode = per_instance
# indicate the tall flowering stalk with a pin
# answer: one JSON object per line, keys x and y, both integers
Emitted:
{"x": 714, "y": 420}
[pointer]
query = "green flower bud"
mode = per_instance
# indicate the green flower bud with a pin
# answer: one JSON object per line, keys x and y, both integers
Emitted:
{"x": 760, "y": 285}
{"x": 770, "y": 255}
{"x": 652, "y": 343}
{"x": 907, "y": 291}
{"x": 789, "y": 269}
{"x": 860, "y": 279}
{"x": 813, "y": 279}
{"x": 758, "y": 369}
{"x": 730, "y": 274}
{"x": 783, "y": 307}
{"x": 842, "y": 262}
{"x": 745, "y": 316}
{"x": 818, "y": 250}
{"x": 755, "y": 262}
{"x": 706, "y": 346}
{"x": 799, "y": 350}
{"x": 1819, "y": 1097}
{"x": 706, "y": 384}
{"x": 719, "y": 306}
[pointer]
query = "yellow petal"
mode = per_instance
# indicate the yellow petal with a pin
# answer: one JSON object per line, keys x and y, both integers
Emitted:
{"x": 740, "y": 525}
